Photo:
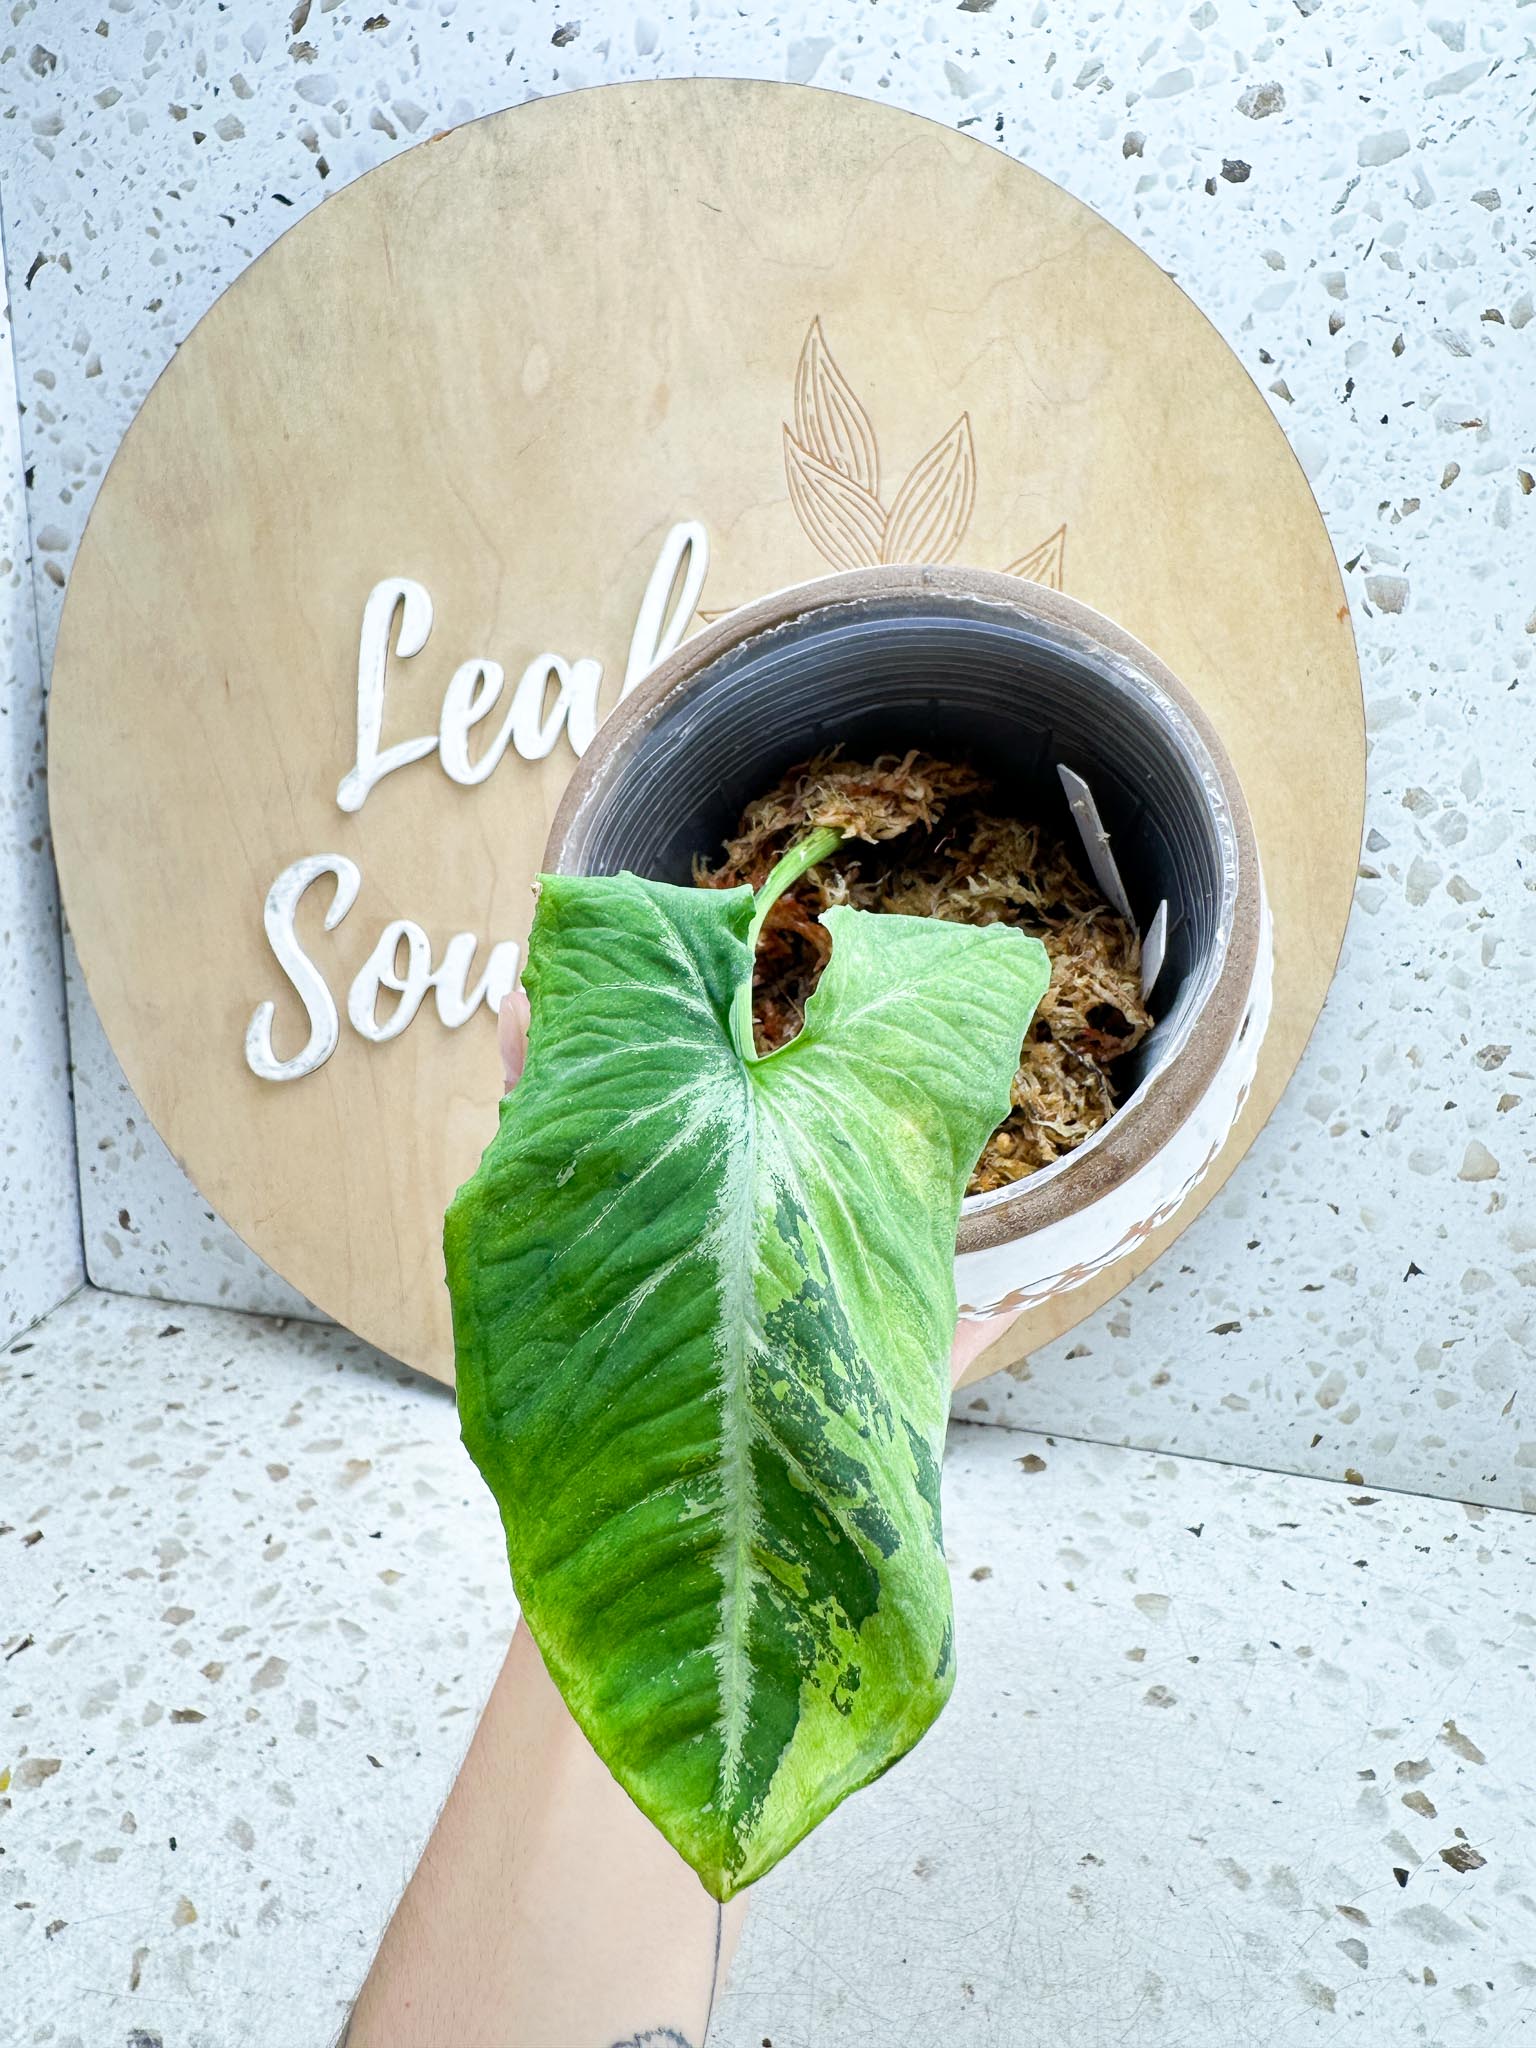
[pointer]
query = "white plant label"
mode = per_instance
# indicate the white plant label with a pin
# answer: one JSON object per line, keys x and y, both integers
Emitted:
{"x": 530, "y": 722}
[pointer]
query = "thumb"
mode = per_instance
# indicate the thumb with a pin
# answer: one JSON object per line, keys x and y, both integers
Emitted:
{"x": 973, "y": 1335}
{"x": 512, "y": 1036}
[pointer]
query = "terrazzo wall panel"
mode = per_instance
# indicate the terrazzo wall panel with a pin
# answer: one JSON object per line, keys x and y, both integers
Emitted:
{"x": 1346, "y": 192}
{"x": 40, "y": 1261}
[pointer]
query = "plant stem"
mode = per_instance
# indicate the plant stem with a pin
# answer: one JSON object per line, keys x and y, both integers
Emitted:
{"x": 805, "y": 853}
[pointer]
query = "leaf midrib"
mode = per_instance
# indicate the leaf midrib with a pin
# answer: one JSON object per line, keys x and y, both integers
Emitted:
{"x": 738, "y": 1491}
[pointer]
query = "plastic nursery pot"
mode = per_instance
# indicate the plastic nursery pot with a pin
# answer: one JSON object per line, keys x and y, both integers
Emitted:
{"x": 1022, "y": 682}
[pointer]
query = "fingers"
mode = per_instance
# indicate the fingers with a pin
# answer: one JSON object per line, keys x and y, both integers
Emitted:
{"x": 512, "y": 1035}
{"x": 973, "y": 1335}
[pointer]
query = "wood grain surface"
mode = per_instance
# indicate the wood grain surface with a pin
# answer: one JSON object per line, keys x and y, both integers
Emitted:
{"x": 505, "y": 364}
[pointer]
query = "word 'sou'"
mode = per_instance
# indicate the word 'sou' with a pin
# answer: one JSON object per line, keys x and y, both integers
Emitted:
{"x": 530, "y": 727}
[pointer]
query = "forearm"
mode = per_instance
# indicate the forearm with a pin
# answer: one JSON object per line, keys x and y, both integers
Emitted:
{"x": 546, "y": 1912}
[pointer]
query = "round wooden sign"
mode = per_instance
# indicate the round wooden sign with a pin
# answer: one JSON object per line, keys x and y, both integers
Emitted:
{"x": 472, "y": 446}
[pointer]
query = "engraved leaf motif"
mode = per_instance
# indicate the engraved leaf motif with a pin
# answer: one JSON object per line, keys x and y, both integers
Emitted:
{"x": 829, "y": 420}
{"x": 843, "y": 521}
{"x": 933, "y": 507}
{"x": 1045, "y": 564}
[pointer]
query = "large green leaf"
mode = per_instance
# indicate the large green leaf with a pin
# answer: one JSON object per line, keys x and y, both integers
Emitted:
{"x": 702, "y": 1309}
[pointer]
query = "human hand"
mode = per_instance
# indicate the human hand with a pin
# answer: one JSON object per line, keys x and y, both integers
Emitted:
{"x": 536, "y": 1822}
{"x": 972, "y": 1334}
{"x": 597, "y": 1918}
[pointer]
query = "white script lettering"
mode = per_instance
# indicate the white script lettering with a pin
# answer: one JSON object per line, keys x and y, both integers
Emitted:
{"x": 415, "y": 607}
{"x": 684, "y": 562}
{"x": 552, "y": 695}
{"x": 449, "y": 981}
{"x": 476, "y": 686}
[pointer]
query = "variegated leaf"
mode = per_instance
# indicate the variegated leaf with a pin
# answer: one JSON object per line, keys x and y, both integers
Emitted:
{"x": 932, "y": 510}
{"x": 702, "y": 1307}
{"x": 843, "y": 521}
{"x": 1045, "y": 564}
{"x": 829, "y": 420}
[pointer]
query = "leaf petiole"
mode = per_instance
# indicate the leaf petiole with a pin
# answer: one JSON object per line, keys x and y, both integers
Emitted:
{"x": 805, "y": 853}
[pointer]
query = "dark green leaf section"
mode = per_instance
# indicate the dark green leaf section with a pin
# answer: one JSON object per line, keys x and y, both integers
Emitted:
{"x": 702, "y": 1308}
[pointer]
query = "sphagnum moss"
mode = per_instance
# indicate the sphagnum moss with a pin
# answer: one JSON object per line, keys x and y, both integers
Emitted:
{"x": 921, "y": 841}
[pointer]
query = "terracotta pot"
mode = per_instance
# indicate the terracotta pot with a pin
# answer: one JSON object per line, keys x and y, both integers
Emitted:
{"x": 1017, "y": 679}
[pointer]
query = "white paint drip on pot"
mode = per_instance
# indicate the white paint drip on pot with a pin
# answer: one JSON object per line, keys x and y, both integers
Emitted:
{"x": 1020, "y": 1274}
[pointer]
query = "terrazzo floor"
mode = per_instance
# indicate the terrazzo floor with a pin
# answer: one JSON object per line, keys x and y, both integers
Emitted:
{"x": 1235, "y": 1757}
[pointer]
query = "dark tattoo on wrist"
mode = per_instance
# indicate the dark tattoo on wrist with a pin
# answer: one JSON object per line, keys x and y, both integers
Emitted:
{"x": 656, "y": 2037}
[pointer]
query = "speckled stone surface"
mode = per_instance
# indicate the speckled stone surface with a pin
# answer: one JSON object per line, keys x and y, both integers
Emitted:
{"x": 1213, "y": 1736}
{"x": 40, "y": 1255}
{"x": 1233, "y": 1758}
{"x": 252, "y": 1595}
{"x": 1346, "y": 190}
{"x": 149, "y": 1231}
